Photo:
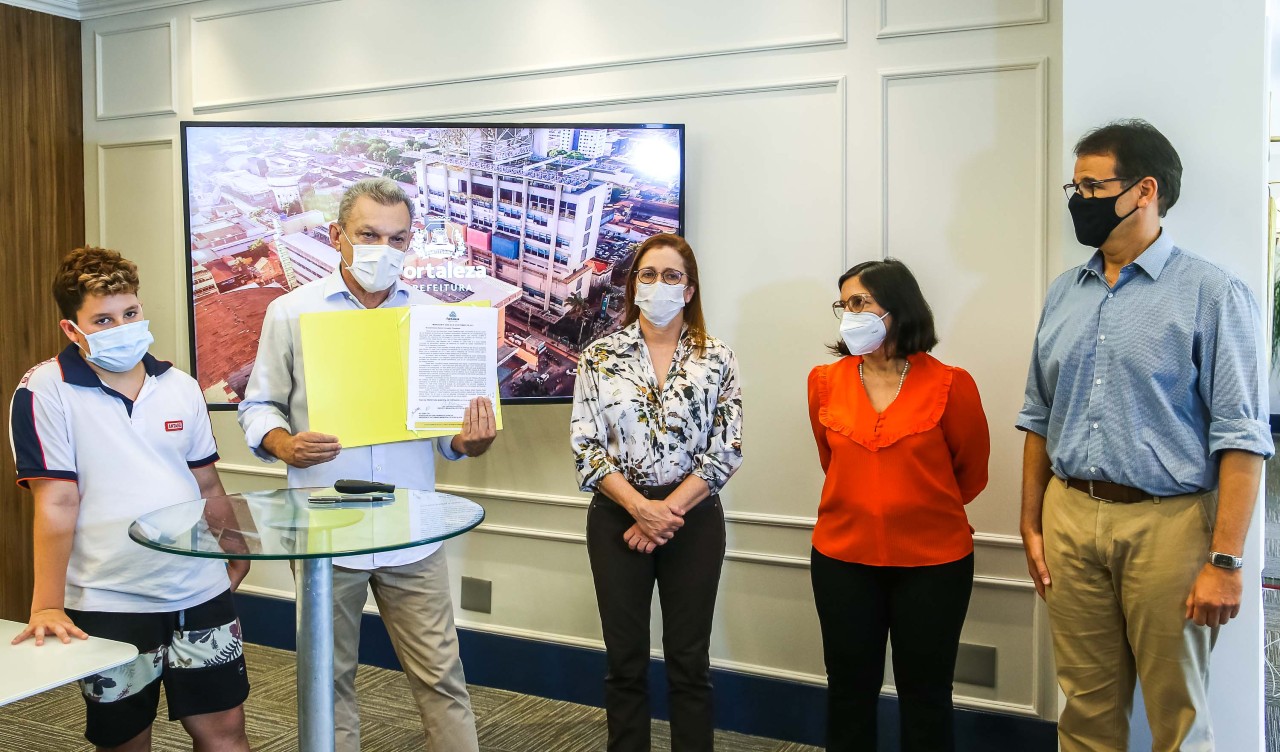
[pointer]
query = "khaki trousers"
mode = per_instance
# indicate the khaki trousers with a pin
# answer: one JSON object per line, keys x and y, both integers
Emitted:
{"x": 1121, "y": 575}
{"x": 416, "y": 607}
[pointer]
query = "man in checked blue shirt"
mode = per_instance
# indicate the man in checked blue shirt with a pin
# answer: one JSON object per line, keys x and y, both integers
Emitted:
{"x": 1145, "y": 435}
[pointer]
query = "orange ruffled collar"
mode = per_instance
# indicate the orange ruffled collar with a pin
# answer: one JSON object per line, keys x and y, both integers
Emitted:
{"x": 846, "y": 408}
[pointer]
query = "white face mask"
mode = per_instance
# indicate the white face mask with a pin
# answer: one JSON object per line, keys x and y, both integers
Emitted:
{"x": 119, "y": 348}
{"x": 862, "y": 332}
{"x": 659, "y": 301}
{"x": 375, "y": 267}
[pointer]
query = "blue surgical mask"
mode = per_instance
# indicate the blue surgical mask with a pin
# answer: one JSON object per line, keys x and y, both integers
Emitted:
{"x": 119, "y": 348}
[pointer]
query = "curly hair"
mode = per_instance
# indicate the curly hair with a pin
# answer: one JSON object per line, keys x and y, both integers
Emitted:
{"x": 92, "y": 271}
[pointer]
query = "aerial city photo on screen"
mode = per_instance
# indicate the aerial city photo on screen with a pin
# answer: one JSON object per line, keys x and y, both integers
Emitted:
{"x": 541, "y": 223}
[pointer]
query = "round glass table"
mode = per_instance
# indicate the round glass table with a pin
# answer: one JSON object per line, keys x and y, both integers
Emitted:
{"x": 285, "y": 524}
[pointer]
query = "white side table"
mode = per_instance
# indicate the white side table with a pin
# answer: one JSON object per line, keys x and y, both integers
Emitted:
{"x": 29, "y": 670}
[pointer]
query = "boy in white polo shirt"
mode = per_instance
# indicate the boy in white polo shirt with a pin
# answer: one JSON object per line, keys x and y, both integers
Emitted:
{"x": 102, "y": 434}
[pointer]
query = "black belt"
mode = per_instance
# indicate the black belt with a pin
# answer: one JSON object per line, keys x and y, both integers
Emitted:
{"x": 1114, "y": 493}
{"x": 656, "y": 493}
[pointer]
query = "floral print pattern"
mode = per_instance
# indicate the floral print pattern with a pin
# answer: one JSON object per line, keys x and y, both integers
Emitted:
{"x": 202, "y": 648}
{"x": 194, "y": 649}
{"x": 123, "y": 681}
{"x": 623, "y": 423}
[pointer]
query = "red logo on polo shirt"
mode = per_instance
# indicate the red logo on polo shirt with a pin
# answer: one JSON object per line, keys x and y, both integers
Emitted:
{"x": 173, "y": 425}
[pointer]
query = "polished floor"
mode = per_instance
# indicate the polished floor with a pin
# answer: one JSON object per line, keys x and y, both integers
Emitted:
{"x": 506, "y": 721}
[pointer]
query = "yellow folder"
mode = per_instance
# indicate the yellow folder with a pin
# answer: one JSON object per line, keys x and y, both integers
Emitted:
{"x": 357, "y": 376}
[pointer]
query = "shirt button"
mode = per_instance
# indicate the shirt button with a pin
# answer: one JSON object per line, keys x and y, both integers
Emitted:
{"x": 1098, "y": 382}
{"x": 377, "y": 469}
{"x": 1102, "y": 336}
{"x": 1095, "y": 425}
{"x": 1093, "y": 469}
{"x": 1110, "y": 295}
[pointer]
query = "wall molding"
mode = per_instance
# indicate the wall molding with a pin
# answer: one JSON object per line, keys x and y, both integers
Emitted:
{"x": 201, "y": 107}
{"x": 85, "y": 10}
{"x": 102, "y": 188}
{"x": 1040, "y": 66}
{"x": 62, "y": 8}
{"x": 587, "y": 643}
{"x": 749, "y": 557}
{"x": 886, "y": 31}
{"x": 825, "y": 82}
{"x": 839, "y": 83}
{"x": 582, "y": 501}
{"x": 172, "y": 108}
{"x": 260, "y": 7}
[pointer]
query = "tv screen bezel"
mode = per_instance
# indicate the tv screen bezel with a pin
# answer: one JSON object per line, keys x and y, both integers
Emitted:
{"x": 185, "y": 126}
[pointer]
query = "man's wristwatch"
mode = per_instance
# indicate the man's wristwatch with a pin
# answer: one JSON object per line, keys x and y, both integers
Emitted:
{"x": 1225, "y": 561}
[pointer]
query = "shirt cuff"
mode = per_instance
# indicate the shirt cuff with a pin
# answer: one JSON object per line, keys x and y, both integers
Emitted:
{"x": 1245, "y": 434}
{"x": 590, "y": 476}
{"x": 257, "y": 430}
{"x": 446, "y": 449}
{"x": 1033, "y": 418}
{"x": 24, "y": 476}
{"x": 712, "y": 479}
{"x": 195, "y": 464}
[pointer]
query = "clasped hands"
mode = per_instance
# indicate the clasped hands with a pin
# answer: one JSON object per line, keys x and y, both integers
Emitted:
{"x": 656, "y": 522}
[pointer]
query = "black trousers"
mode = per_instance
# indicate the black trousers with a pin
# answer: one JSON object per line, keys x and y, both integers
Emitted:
{"x": 687, "y": 572}
{"x": 920, "y": 610}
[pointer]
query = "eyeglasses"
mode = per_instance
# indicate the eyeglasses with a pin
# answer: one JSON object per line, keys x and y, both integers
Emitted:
{"x": 648, "y": 275}
{"x": 1086, "y": 188}
{"x": 854, "y": 304}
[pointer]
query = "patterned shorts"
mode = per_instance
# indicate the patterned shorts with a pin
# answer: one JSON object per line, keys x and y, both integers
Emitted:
{"x": 195, "y": 653}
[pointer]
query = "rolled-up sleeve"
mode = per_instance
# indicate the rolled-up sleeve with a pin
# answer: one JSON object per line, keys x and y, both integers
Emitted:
{"x": 266, "y": 397}
{"x": 723, "y": 454}
{"x": 1036, "y": 399}
{"x": 445, "y": 445}
{"x": 1233, "y": 375}
{"x": 588, "y": 432}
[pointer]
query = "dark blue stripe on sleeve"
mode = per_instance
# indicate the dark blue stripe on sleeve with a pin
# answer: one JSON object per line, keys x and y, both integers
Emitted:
{"x": 193, "y": 464}
{"x": 25, "y": 478}
{"x": 28, "y": 454}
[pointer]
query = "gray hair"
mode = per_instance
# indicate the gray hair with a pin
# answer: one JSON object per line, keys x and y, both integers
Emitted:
{"x": 383, "y": 190}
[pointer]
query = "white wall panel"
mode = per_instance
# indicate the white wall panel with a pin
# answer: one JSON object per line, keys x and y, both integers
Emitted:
{"x": 136, "y": 71}
{"x": 900, "y": 18}
{"x": 236, "y": 58}
{"x": 1002, "y": 615}
{"x": 964, "y": 174}
{"x": 137, "y": 215}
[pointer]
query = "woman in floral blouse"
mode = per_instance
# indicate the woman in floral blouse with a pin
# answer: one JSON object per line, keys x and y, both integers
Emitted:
{"x": 657, "y": 432}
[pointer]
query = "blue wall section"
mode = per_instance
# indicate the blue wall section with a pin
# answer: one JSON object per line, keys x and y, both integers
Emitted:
{"x": 745, "y": 703}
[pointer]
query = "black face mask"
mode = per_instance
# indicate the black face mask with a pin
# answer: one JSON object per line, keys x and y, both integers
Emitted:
{"x": 1095, "y": 218}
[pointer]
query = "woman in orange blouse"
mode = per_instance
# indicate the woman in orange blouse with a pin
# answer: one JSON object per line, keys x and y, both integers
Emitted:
{"x": 903, "y": 442}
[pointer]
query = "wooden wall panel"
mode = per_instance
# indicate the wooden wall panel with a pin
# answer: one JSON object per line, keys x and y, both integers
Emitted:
{"x": 41, "y": 218}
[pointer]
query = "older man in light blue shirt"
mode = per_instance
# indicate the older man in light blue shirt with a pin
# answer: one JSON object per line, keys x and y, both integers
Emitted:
{"x": 411, "y": 586}
{"x": 1145, "y": 435}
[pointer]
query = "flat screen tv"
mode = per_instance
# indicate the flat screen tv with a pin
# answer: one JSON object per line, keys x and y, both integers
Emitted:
{"x": 539, "y": 221}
